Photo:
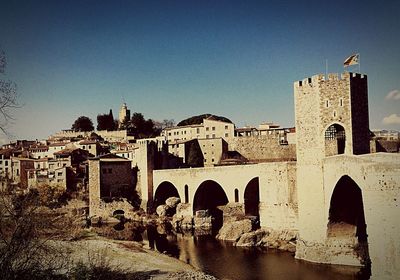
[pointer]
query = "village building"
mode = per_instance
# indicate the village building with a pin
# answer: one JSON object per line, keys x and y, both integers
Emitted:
{"x": 19, "y": 167}
{"x": 209, "y": 128}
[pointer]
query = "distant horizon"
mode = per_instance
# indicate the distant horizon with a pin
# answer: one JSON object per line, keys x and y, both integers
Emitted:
{"x": 176, "y": 59}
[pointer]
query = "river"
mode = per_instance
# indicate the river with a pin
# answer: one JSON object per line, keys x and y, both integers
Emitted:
{"x": 225, "y": 261}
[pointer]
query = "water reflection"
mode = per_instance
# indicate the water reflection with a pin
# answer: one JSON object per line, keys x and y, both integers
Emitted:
{"x": 164, "y": 243}
{"x": 221, "y": 259}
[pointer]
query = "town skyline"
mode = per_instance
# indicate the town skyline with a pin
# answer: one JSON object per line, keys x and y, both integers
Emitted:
{"x": 173, "y": 60}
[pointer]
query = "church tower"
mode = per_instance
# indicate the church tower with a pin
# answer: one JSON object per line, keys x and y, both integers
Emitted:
{"x": 124, "y": 114}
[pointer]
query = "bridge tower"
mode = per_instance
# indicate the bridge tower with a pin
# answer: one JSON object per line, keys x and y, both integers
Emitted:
{"x": 331, "y": 118}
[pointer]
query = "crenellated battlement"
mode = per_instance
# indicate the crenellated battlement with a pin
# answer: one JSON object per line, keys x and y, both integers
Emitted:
{"x": 320, "y": 78}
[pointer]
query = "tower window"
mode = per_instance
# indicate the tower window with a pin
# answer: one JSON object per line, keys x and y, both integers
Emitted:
{"x": 341, "y": 102}
{"x": 327, "y": 103}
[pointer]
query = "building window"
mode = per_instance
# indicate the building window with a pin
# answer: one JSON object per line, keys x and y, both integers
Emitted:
{"x": 212, "y": 160}
{"x": 213, "y": 128}
{"x": 198, "y": 130}
{"x": 334, "y": 113}
{"x": 207, "y": 128}
{"x": 207, "y": 136}
{"x": 59, "y": 174}
{"x": 89, "y": 147}
{"x": 226, "y": 134}
{"x": 109, "y": 170}
{"x": 213, "y": 136}
{"x": 104, "y": 171}
{"x": 341, "y": 102}
{"x": 327, "y": 103}
{"x": 226, "y": 127}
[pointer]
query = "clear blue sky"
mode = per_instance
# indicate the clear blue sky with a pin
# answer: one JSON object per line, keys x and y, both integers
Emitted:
{"x": 175, "y": 59}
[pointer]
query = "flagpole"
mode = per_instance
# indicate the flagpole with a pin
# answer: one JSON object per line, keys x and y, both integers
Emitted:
{"x": 359, "y": 63}
{"x": 326, "y": 69}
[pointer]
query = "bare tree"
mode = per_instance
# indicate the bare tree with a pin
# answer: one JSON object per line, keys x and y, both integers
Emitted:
{"x": 25, "y": 252}
{"x": 8, "y": 96}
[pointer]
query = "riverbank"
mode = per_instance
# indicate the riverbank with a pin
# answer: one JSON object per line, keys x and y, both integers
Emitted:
{"x": 128, "y": 257}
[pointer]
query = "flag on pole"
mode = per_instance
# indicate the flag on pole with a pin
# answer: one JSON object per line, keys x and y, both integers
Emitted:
{"x": 351, "y": 60}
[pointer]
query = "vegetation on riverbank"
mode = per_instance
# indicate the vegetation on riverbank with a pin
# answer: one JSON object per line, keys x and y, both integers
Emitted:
{"x": 37, "y": 242}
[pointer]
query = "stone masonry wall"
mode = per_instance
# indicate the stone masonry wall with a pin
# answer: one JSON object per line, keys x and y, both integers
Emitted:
{"x": 94, "y": 186}
{"x": 100, "y": 177}
{"x": 262, "y": 148}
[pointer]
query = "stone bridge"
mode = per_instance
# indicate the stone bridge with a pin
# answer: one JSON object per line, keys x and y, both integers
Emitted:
{"x": 358, "y": 217}
{"x": 265, "y": 189}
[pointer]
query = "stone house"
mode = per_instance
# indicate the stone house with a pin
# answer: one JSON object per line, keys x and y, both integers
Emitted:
{"x": 20, "y": 167}
{"x": 111, "y": 185}
{"x": 209, "y": 128}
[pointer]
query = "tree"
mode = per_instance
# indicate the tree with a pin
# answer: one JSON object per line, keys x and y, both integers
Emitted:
{"x": 138, "y": 121}
{"x": 143, "y": 128}
{"x": 199, "y": 119}
{"x": 8, "y": 95}
{"x": 83, "y": 124}
{"x": 106, "y": 122}
{"x": 167, "y": 123}
{"x": 25, "y": 252}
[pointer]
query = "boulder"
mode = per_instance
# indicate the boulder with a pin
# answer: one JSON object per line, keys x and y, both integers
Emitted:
{"x": 172, "y": 202}
{"x": 162, "y": 210}
{"x": 202, "y": 214}
{"x": 184, "y": 209}
{"x": 205, "y": 222}
{"x": 282, "y": 240}
{"x": 176, "y": 221}
{"x": 233, "y": 231}
{"x": 252, "y": 238}
{"x": 187, "y": 222}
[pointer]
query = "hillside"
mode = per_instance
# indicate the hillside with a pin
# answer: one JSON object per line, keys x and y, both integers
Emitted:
{"x": 199, "y": 119}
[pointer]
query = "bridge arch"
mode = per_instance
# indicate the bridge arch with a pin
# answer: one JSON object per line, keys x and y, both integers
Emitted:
{"x": 346, "y": 212}
{"x": 209, "y": 195}
{"x": 165, "y": 190}
{"x": 252, "y": 197}
{"x": 335, "y": 139}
